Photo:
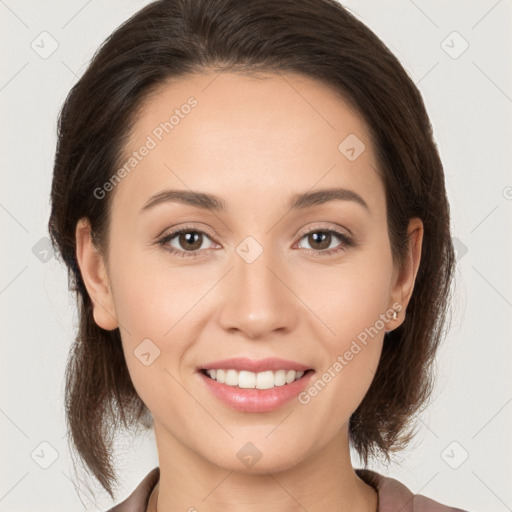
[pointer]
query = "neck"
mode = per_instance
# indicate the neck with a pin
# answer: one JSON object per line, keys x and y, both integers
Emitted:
{"x": 324, "y": 481}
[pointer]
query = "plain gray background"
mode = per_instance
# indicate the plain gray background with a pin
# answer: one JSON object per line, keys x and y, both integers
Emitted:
{"x": 462, "y": 453}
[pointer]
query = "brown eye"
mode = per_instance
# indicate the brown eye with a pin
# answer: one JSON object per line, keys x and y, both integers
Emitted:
{"x": 186, "y": 242}
{"x": 190, "y": 240}
{"x": 319, "y": 240}
{"x": 323, "y": 242}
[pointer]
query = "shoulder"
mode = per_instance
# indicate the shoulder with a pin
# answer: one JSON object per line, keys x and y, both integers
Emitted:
{"x": 137, "y": 501}
{"x": 393, "y": 495}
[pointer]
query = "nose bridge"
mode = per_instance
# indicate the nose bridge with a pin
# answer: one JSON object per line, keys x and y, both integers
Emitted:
{"x": 257, "y": 300}
{"x": 253, "y": 264}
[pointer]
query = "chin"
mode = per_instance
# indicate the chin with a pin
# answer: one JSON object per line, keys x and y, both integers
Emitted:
{"x": 253, "y": 458}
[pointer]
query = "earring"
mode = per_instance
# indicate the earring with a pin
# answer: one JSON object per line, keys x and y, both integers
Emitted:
{"x": 393, "y": 317}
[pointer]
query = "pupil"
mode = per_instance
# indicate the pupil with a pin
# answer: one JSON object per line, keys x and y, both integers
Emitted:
{"x": 321, "y": 238}
{"x": 189, "y": 239}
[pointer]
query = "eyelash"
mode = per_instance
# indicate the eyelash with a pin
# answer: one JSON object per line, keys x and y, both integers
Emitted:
{"x": 346, "y": 242}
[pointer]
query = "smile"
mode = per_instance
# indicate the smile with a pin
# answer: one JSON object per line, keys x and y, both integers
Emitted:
{"x": 271, "y": 394}
{"x": 250, "y": 380}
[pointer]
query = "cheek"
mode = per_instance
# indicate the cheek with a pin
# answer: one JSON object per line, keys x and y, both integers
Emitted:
{"x": 352, "y": 303}
{"x": 351, "y": 351}
{"x": 159, "y": 309}
{"x": 153, "y": 304}
{"x": 152, "y": 298}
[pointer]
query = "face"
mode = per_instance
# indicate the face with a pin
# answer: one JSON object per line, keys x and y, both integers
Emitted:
{"x": 261, "y": 272}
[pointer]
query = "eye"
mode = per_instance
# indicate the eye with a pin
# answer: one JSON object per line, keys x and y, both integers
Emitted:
{"x": 190, "y": 239}
{"x": 321, "y": 240}
{"x": 190, "y": 242}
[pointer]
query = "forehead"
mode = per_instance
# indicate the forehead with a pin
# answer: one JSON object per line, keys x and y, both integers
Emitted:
{"x": 244, "y": 137}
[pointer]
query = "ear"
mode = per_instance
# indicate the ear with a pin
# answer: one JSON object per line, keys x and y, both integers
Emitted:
{"x": 404, "y": 278}
{"x": 94, "y": 274}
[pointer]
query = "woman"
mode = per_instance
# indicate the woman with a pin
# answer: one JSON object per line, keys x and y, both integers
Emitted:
{"x": 252, "y": 208}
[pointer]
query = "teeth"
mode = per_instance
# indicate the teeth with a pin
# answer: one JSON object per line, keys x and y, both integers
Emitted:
{"x": 261, "y": 380}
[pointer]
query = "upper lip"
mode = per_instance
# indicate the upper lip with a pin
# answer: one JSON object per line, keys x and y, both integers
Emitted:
{"x": 252, "y": 365}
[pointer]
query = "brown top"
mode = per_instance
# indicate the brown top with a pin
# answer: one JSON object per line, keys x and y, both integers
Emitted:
{"x": 393, "y": 495}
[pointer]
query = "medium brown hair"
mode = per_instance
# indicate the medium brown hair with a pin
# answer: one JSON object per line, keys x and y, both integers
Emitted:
{"x": 169, "y": 39}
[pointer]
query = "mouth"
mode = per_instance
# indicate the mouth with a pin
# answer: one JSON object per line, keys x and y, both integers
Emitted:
{"x": 255, "y": 392}
{"x": 244, "y": 379}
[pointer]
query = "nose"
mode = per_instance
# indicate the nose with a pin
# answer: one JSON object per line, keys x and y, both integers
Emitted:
{"x": 258, "y": 297}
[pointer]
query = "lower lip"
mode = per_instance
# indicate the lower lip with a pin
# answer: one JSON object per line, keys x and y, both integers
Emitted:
{"x": 256, "y": 400}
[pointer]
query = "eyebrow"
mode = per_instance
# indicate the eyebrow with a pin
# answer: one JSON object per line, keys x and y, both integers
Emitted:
{"x": 211, "y": 202}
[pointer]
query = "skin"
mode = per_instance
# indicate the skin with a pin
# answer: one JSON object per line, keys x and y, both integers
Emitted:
{"x": 253, "y": 142}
